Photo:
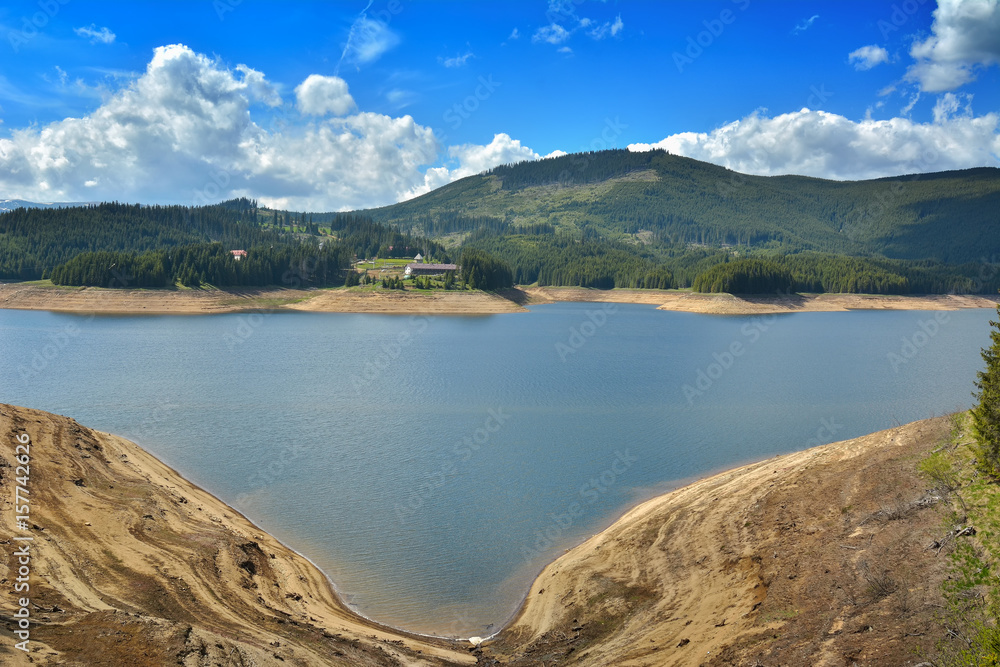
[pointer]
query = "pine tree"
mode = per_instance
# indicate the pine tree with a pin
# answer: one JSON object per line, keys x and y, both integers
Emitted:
{"x": 986, "y": 414}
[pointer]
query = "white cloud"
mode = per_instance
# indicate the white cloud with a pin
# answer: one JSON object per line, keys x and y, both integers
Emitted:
{"x": 617, "y": 26}
{"x": 825, "y": 145}
{"x": 514, "y": 34}
{"x": 401, "y": 98}
{"x": 319, "y": 95}
{"x": 96, "y": 35}
{"x": 474, "y": 159}
{"x": 868, "y": 57}
{"x": 502, "y": 150}
{"x": 965, "y": 36}
{"x": 564, "y": 22}
{"x": 367, "y": 40}
{"x": 184, "y": 132}
{"x": 457, "y": 61}
{"x": 552, "y": 33}
{"x": 948, "y": 105}
{"x": 608, "y": 28}
{"x": 914, "y": 98}
{"x": 565, "y": 49}
{"x": 805, "y": 24}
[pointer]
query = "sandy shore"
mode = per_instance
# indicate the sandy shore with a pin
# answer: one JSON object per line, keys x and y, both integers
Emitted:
{"x": 728, "y": 304}
{"x": 133, "y": 565}
{"x": 86, "y": 300}
{"x": 770, "y": 562}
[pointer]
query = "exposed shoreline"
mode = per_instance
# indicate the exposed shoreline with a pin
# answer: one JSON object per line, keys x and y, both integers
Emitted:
{"x": 155, "y": 545}
{"x": 90, "y": 300}
{"x": 116, "y": 530}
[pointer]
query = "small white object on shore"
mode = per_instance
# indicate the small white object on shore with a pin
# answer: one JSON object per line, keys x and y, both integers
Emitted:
{"x": 475, "y": 641}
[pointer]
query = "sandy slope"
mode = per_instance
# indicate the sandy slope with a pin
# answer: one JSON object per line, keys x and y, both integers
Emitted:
{"x": 394, "y": 301}
{"x": 772, "y": 563}
{"x": 88, "y": 300}
{"x": 94, "y": 300}
{"x": 728, "y": 304}
{"x": 132, "y": 565}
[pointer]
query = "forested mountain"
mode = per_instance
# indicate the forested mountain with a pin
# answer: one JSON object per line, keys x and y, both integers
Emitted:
{"x": 605, "y": 219}
{"x": 121, "y": 245}
{"x": 618, "y": 218}
{"x": 949, "y": 216}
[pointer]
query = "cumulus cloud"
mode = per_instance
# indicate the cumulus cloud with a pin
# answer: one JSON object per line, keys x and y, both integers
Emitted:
{"x": 826, "y": 145}
{"x": 868, "y": 57}
{"x": 96, "y": 35}
{"x": 319, "y": 95}
{"x": 965, "y": 36}
{"x": 184, "y": 132}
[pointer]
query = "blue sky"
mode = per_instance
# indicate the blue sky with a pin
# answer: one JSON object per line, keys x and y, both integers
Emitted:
{"x": 339, "y": 105}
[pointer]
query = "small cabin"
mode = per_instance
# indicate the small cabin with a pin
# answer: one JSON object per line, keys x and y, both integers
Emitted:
{"x": 419, "y": 259}
{"x": 238, "y": 254}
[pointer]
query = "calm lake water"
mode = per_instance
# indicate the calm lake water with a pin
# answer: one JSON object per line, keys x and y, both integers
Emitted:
{"x": 432, "y": 465}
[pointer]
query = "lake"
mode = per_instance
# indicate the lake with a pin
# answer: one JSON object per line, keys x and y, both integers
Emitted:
{"x": 431, "y": 466}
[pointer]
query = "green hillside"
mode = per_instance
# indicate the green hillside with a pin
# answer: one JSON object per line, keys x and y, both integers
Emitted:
{"x": 641, "y": 197}
{"x": 579, "y": 219}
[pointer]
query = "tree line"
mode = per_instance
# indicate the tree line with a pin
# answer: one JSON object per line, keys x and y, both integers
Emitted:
{"x": 198, "y": 265}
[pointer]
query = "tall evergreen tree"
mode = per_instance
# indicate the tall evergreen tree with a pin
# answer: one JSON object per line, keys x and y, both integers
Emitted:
{"x": 986, "y": 413}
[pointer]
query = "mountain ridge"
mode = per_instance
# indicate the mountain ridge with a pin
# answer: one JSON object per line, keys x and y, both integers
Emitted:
{"x": 694, "y": 202}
